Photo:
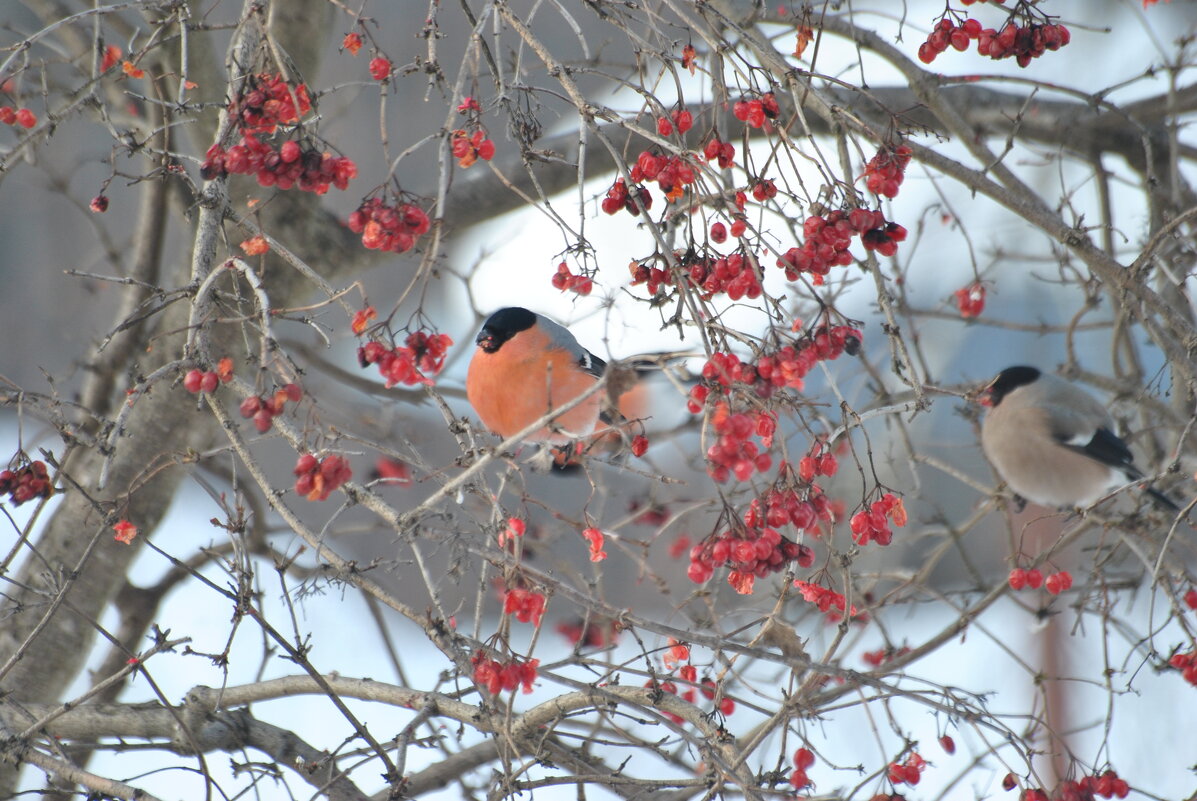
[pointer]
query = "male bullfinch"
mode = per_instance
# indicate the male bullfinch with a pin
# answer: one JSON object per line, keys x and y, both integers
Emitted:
{"x": 1052, "y": 442}
{"x": 525, "y": 366}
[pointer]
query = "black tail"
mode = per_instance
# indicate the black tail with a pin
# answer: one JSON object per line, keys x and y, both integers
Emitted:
{"x": 1161, "y": 499}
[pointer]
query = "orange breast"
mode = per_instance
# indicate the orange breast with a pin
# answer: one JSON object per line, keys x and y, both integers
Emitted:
{"x": 522, "y": 381}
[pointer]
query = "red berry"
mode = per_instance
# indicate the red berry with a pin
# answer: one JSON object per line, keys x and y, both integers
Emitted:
{"x": 639, "y": 445}
{"x": 380, "y": 68}
{"x": 193, "y": 381}
{"x": 263, "y": 420}
{"x": 948, "y": 744}
{"x": 1017, "y": 579}
{"x": 1058, "y": 582}
{"x": 249, "y": 407}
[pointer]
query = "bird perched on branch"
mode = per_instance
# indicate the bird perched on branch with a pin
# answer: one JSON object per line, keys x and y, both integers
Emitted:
{"x": 1052, "y": 442}
{"x": 527, "y": 366}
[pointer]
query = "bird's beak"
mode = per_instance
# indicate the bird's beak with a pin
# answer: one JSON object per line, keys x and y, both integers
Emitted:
{"x": 485, "y": 340}
{"x": 984, "y": 395}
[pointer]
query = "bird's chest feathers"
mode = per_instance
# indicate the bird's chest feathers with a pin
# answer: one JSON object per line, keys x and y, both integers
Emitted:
{"x": 524, "y": 385}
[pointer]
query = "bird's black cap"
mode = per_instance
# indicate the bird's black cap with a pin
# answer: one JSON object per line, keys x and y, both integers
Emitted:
{"x": 502, "y": 326}
{"x": 1009, "y": 380}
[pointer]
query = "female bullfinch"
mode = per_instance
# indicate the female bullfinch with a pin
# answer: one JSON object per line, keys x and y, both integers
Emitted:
{"x": 1052, "y": 442}
{"x": 525, "y": 366}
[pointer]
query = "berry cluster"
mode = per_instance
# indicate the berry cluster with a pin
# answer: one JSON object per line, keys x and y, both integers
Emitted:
{"x": 292, "y": 164}
{"x": 267, "y": 101}
{"x": 391, "y": 228}
{"x": 819, "y": 461}
{"x": 908, "y": 772}
{"x": 1107, "y": 785}
{"x": 873, "y": 525}
{"x": 970, "y": 300}
{"x": 785, "y": 367}
{"x": 828, "y": 238}
{"x": 527, "y": 605}
{"x": 468, "y": 148}
{"x": 1055, "y": 584}
{"x": 803, "y": 759}
{"x": 678, "y": 118}
{"x": 782, "y": 506}
{"x": 20, "y": 116}
{"x": 946, "y": 33}
{"x": 563, "y": 279}
{"x": 885, "y": 171}
{"x": 316, "y": 479}
{"x": 720, "y": 152}
{"x": 1023, "y": 42}
{"x": 721, "y": 371}
{"x": 199, "y": 381}
{"x": 757, "y": 111}
{"x": 749, "y": 552}
{"x": 734, "y": 452}
{"x": 264, "y": 409}
{"x": 824, "y": 598}
{"x": 735, "y": 275}
{"x": 1186, "y": 663}
{"x": 26, "y": 482}
{"x": 672, "y": 173}
{"x": 763, "y": 189}
{"x": 497, "y": 676}
{"x": 789, "y": 365}
{"x": 618, "y": 197}
{"x": 1022, "y": 577}
{"x": 422, "y": 355}
{"x": 196, "y": 380}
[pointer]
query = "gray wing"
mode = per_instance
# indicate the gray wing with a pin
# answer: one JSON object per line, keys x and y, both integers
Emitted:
{"x": 563, "y": 339}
